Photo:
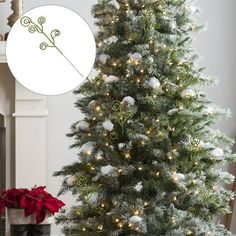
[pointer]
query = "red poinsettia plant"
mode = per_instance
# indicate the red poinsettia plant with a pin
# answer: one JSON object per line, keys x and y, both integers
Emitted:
{"x": 35, "y": 201}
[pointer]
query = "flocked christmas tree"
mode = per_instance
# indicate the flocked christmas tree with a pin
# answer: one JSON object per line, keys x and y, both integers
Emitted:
{"x": 148, "y": 158}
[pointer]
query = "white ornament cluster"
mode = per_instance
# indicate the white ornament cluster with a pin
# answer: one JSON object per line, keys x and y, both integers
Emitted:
{"x": 88, "y": 148}
{"x": 129, "y": 100}
{"x": 110, "y": 79}
{"x": 108, "y": 125}
{"x": 177, "y": 177}
{"x": 138, "y": 187}
{"x": 154, "y": 83}
{"x": 135, "y": 57}
{"x": 82, "y": 125}
{"x": 71, "y": 180}
{"x": 115, "y": 4}
{"x": 188, "y": 93}
{"x": 103, "y": 58}
{"x": 108, "y": 170}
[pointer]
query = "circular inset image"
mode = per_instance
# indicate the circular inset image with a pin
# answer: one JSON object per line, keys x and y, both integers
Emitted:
{"x": 50, "y": 50}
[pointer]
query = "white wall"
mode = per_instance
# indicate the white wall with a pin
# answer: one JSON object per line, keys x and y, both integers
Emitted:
{"x": 219, "y": 50}
{"x": 217, "y": 45}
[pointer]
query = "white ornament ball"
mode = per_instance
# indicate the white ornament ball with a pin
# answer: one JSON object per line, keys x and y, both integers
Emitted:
{"x": 154, "y": 83}
{"x": 103, "y": 58}
{"x": 88, "y": 148}
{"x": 138, "y": 187}
{"x": 112, "y": 39}
{"x": 115, "y": 4}
{"x": 188, "y": 93}
{"x": 135, "y": 219}
{"x": 135, "y": 57}
{"x": 93, "y": 198}
{"x": 177, "y": 177}
{"x": 110, "y": 79}
{"x": 172, "y": 112}
{"x": 151, "y": 59}
{"x": 108, "y": 170}
{"x": 108, "y": 125}
{"x": 217, "y": 152}
{"x": 129, "y": 100}
{"x": 83, "y": 125}
{"x": 71, "y": 180}
{"x": 209, "y": 110}
{"x": 121, "y": 146}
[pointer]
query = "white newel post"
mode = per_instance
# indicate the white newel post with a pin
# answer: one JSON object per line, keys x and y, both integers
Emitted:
{"x": 30, "y": 121}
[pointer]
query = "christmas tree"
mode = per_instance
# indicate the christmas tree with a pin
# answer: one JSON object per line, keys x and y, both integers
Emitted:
{"x": 149, "y": 161}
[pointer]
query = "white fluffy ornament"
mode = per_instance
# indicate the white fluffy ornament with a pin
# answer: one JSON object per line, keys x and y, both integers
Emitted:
{"x": 129, "y": 100}
{"x": 108, "y": 125}
{"x": 112, "y": 39}
{"x": 209, "y": 110}
{"x": 135, "y": 219}
{"x": 188, "y": 93}
{"x": 138, "y": 187}
{"x": 83, "y": 125}
{"x": 151, "y": 59}
{"x": 217, "y": 152}
{"x": 172, "y": 112}
{"x": 121, "y": 146}
{"x": 71, "y": 180}
{"x": 115, "y": 4}
{"x": 103, "y": 58}
{"x": 88, "y": 148}
{"x": 135, "y": 57}
{"x": 110, "y": 79}
{"x": 93, "y": 198}
{"x": 177, "y": 177}
{"x": 108, "y": 170}
{"x": 154, "y": 83}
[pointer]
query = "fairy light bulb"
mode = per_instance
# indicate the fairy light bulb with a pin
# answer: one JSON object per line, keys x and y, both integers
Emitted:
{"x": 143, "y": 142}
{"x": 140, "y": 168}
{"x": 174, "y": 198}
{"x": 146, "y": 204}
{"x": 120, "y": 225}
{"x": 127, "y": 155}
{"x": 89, "y": 152}
{"x": 158, "y": 174}
{"x": 136, "y": 212}
{"x": 84, "y": 229}
{"x": 100, "y": 227}
{"x": 173, "y": 220}
{"x": 117, "y": 220}
{"x": 189, "y": 232}
{"x": 98, "y": 108}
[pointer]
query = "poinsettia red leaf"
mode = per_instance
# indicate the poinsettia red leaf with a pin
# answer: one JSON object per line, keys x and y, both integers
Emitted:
{"x": 24, "y": 202}
{"x": 2, "y": 206}
{"x": 30, "y": 209}
{"x": 40, "y": 216}
{"x": 51, "y": 207}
